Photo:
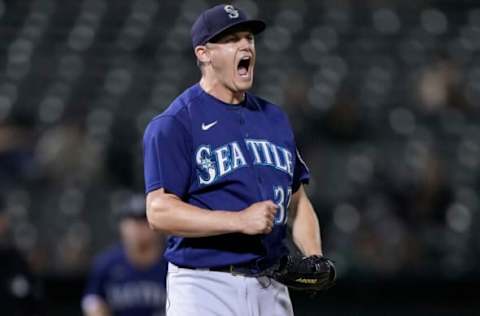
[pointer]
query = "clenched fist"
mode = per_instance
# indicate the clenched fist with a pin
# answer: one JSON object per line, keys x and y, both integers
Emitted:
{"x": 258, "y": 218}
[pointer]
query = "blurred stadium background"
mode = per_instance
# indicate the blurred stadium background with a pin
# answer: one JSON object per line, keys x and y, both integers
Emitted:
{"x": 383, "y": 96}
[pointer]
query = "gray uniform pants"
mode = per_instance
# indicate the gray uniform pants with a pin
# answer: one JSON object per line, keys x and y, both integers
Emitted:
{"x": 196, "y": 292}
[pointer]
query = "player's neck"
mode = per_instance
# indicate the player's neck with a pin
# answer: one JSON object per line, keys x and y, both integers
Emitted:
{"x": 143, "y": 256}
{"x": 219, "y": 91}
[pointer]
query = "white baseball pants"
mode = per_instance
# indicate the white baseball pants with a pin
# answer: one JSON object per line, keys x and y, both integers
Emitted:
{"x": 200, "y": 292}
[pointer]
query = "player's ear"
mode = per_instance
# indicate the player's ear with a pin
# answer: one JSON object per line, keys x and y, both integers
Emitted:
{"x": 202, "y": 54}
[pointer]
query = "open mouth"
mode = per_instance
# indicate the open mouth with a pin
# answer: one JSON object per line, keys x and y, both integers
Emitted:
{"x": 243, "y": 66}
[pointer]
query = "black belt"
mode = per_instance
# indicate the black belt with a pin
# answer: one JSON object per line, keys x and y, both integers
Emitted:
{"x": 234, "y": 269}
{"x": 245, "y": 270}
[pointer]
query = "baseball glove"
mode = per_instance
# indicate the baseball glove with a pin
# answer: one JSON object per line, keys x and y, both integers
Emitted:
{"x": 312, "y": 274}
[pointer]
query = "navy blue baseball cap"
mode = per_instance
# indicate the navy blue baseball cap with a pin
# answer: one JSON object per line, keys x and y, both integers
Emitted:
{"x": 219, "y": 19}
{"x": 134, "y": 207}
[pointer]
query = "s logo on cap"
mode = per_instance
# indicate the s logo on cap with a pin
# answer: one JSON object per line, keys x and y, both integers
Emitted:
{"x": 232, "y": 12}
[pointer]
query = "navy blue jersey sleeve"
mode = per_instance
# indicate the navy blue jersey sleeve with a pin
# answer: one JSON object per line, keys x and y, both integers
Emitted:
{"x": 96, "y": 280}
{"x": 301, "y": 174}
{"x": 167, "y": 159}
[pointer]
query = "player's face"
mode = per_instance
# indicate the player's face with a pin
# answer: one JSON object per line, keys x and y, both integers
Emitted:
{"x": 233, "y": 60}
{"x": 136, "y": 233}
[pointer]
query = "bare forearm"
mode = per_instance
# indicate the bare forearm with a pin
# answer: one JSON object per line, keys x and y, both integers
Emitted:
{"x": 173, "y": 216}
{"x": 168, "y": 213}
{"x": 305, "y": 227}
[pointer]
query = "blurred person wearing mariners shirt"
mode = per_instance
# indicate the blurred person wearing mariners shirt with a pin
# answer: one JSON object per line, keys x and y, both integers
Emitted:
{"x": 129, "y": 279}
{"x": 223, "y": 177}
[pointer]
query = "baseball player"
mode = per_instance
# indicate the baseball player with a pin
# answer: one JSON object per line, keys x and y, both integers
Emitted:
{"x": 223, "y": 177}
{"x": 129, "y": 279}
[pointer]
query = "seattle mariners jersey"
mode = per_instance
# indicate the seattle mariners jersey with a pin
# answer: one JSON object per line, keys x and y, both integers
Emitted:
{"x": 127, "y": 290}
{"x": 221, "y": 156}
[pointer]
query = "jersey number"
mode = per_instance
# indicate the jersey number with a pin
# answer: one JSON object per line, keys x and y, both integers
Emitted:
{"x": 282, "y": 200}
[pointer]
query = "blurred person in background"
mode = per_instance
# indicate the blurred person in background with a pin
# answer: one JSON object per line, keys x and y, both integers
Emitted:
{"x": 129, "y": 279}
{"x": 16, "y": 153}
{"x": 440, "y": 85}
{"x": 19, "y": 291}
